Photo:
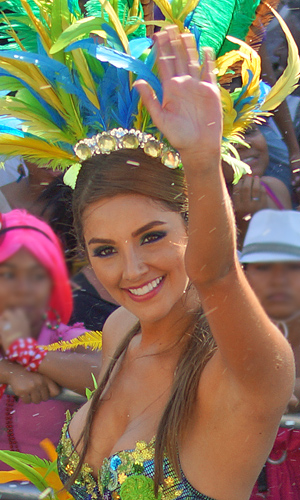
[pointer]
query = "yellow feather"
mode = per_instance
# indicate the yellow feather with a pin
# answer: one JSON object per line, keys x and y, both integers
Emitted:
{"x": 117, "y": 24}
{"x": 189, "y": 6}
{"x": 40, "y": 28}
{"x": 12, "y": 32}
{"x": 134, "y": 9}
{"x": 89, "y": 84}
{"x": 289, "y": 78}
{"x": 91, "y": 340}
{"x": 223, "y": 63}
{"x": 33, "y": 148}
{"x": 34, "y": 78}
{"x": 229, "y": 113}
{"x": 166, "y": 9}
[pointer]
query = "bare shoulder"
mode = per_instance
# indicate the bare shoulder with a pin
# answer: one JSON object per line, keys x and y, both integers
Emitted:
{"x": 116, "y": 327}
{"x": 280, "y": 190}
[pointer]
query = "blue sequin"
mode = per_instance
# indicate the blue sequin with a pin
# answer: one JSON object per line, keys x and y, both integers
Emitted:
{"x": 115, "y": 462}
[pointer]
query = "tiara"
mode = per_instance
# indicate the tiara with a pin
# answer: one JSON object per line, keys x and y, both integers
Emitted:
{"x": 119, "y": 138}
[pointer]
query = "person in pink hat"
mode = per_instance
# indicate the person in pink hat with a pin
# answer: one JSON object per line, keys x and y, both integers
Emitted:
{"x": 35, "y": 307}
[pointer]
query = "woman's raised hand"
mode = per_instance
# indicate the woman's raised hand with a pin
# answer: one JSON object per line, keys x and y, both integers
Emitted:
{"x": 191, "y": 114}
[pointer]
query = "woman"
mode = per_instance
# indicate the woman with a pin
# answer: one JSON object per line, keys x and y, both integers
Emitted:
{"x": 271, "y": 258}
{"x": 164, "y": 386}
{"x": 35, "y": 306}
{"x": 256, "y": 191}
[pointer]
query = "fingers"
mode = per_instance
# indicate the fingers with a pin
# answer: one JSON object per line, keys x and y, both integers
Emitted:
{"x": 149, "y": 99}
{"x": 255, "y": 189}
{"x": 192, "y": 55}
{"x": 208, "y": 68}
{"x": 54, "y": 389}
{"x": 177, "y": 54}
{"x": 249, "y": 195}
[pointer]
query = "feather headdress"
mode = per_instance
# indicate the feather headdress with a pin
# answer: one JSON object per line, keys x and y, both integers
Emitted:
{"x": 70, "y": 77}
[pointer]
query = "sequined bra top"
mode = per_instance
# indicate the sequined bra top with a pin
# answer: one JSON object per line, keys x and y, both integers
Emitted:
{"x": 126, "y": 475}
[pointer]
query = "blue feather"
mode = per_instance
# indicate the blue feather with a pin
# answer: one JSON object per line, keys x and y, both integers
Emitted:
{"x": 122, "y": 61}
{"x": 113, "y": 39}
{"x": 264, "y": 90}
{"x": 151, "y": 58}
{"x": 12, "y": 131}
{"x": 9, "y": 121}
{"x": 53, "y": 114}
{"x": 138, "y": 45}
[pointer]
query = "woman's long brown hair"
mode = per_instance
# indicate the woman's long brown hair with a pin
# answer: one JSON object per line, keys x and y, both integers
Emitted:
{"x": 131, "y": 171}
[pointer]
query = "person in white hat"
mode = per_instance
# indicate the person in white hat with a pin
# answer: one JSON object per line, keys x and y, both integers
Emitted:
{"x": 271, "y": 259}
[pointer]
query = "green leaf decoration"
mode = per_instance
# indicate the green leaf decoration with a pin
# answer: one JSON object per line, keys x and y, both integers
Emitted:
{"x": 71, "y": 175}
{"x": 81, "y": 28}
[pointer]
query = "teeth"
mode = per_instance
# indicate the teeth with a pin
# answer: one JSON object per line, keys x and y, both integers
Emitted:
{"x": 147, "y": 288}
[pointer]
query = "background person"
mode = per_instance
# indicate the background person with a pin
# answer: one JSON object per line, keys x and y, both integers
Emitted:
{"x": 271, "y": 258}
{"x": 35, "y": 306}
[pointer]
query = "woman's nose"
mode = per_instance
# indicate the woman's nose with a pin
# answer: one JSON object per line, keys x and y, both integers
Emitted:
{"x": 23, "y": 286}
{"x": 134, "y": 265}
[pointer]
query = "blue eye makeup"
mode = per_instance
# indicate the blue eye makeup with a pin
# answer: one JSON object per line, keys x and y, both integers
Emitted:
{"x": 153, "y": 236}
{"x": 104, "y": 251}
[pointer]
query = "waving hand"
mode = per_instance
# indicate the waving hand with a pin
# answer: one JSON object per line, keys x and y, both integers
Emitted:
{"x": 190, "y": 115}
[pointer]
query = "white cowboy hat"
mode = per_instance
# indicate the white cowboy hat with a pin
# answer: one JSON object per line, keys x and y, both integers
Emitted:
{"x": 272, "y": 236}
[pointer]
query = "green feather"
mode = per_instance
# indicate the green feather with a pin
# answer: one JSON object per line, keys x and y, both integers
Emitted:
{"x": 20, "y": 464}
{"x": 243, "y": 17}
{"x": 81, "y": 28}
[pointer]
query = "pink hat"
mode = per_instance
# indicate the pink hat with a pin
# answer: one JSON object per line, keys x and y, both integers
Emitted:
{"x": 19, "y": 229}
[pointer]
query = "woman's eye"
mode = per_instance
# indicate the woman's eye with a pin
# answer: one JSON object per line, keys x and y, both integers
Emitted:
{"x": 6, "y": 275}
{"x": 104, "y": 251}
{"x": 151, "y": 237}
{"x": 263, "y": 267}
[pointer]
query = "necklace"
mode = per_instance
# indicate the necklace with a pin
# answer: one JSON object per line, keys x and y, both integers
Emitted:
{"x": 283, "y": 326}
{"x": 9, "y": 423}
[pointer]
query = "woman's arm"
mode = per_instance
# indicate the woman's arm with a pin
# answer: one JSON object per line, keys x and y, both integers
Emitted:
{"x": 255, "y": 359}
{"x": 72, "y": 370}
{"x": 30, "y": 387}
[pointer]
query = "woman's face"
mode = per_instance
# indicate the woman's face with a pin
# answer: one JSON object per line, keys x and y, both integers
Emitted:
{"x": 136, "y": 247}
{"x": 277, "y": 286}
{"x": 257, "y": 156}
{"x": 24, "y": 284}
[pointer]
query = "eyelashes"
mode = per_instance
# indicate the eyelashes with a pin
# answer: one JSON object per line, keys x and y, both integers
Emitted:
{"x": 104, "y": 251}
{"x": 109, "y": 250}
{"x": 153, "y": 236}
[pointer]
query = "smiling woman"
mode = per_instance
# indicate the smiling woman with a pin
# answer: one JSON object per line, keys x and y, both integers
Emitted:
{"x": 162, "y": 242}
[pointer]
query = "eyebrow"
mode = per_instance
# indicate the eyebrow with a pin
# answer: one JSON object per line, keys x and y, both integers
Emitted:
{"x": 136, "y": 233}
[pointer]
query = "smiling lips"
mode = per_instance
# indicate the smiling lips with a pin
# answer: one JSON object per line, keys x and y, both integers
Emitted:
{"x": 144, "y": 290}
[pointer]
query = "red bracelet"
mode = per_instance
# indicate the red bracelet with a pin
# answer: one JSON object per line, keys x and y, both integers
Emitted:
{"x": 27, "y": 353}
